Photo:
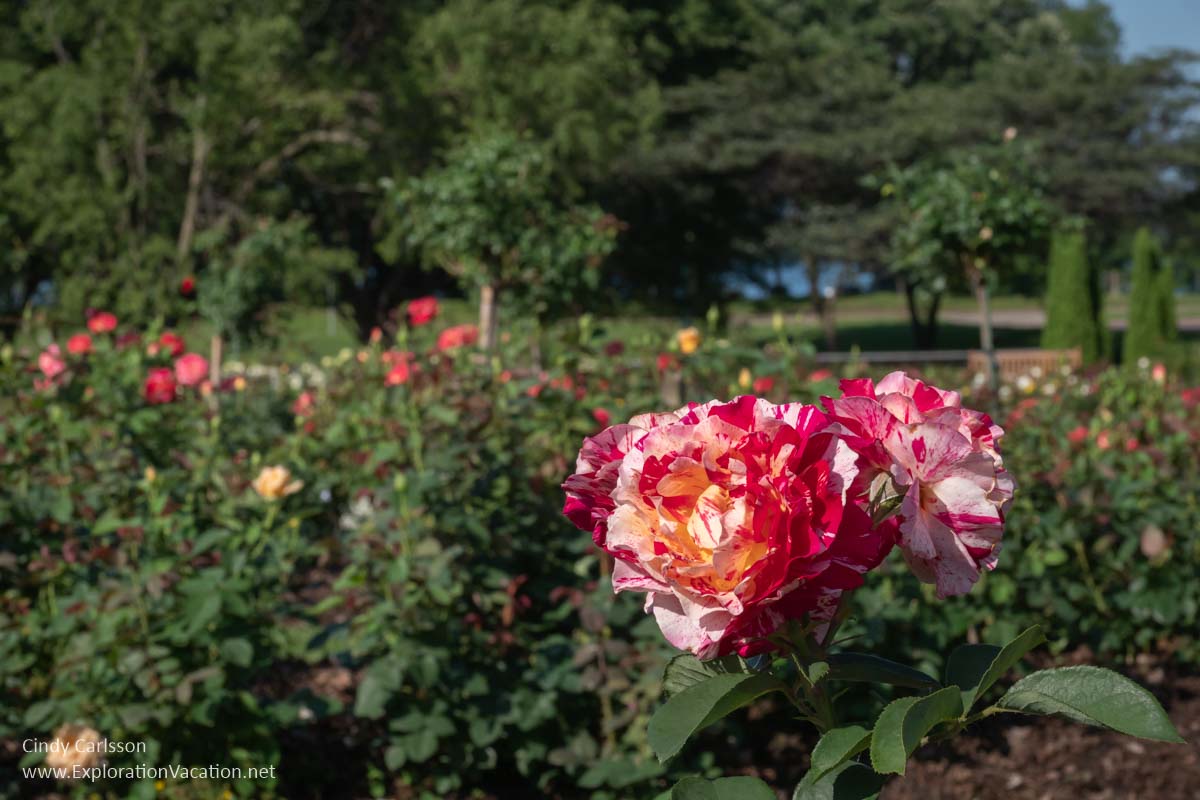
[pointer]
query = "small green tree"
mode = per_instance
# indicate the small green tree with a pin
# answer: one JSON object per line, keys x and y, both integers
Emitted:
{"x": 1072, "y": 310}
{"x": 498, "y": 219}
{"x": 969, "y": 218}
{"x": 1151, "y": 302}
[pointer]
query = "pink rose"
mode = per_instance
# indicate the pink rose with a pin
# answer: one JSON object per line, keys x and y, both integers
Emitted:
{"x": 305, "y": 404}
{"x": 51, "y": 363}
{"x": 191, "y": 369}
{"x": 917, "y": 442}
{"x": 102, "y": 322}
{"x": 732, "y": 517}
{"x": 159, "y": 386}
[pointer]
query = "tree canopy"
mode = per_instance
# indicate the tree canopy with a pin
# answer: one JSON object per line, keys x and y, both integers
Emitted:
{"x": 144, "y": 141}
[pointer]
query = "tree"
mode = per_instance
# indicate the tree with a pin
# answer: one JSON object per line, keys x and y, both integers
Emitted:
{"x": 497, "y": 218}
{"x": 969, "y": 219}
{"x": 1151, "y": 302}
{"x": 1073, "y": 313}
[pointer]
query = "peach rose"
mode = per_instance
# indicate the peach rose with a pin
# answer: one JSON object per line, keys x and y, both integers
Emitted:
{"x": 732, "y": 517}
{"x": 275, "y": 483}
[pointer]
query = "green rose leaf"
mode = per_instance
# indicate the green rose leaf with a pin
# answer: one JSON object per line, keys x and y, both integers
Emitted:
{"x": 685, "y": 670}
{"x": 873, "y": 669}
{"x": 701, "y": 705}
{"x": 1093, "y": 696}
{"x": 903, "y": 724}
{"x": 975, "y": 667}
{"x": 836, "y": 747}
{"x": 848, "y": 781}
{"x": 741, "y": 788}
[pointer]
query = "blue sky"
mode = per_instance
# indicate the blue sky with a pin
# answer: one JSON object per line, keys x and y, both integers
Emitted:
{"x": 1148, "y": 25}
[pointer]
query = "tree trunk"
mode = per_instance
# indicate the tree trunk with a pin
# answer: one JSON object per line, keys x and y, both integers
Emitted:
{"x": 487, "y": 318}
{"x": 821, "y": 304}
{"x": 925, "y": 329}
{"x": 979, "y": 282}
{"x": 191, "y": 205}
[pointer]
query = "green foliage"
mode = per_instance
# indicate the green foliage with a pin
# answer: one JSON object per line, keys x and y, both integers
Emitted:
{"x": 493, "y": 216}
{"x": 1072, "y": 308}
{"x": 1093, "y": 696}
{"x": 1089, "y": 695}
{"x": 977, "y": 212}
{"x": 1151, "y": 302}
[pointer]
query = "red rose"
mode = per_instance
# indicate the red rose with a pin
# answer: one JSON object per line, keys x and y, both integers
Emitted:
{"x": 191, "y": 369}
{"x": 614, "y": 348}
{"x": 159, "y": 386}
{"x": 398, "y": 374}
{"x": 79, "y": 344}
{"x": 1078, "y": 435}
{"x": 764, "y": 384}
{"x": 422, "y": 310}
{"x": 187, "y": 286}
{"x": 602, "y": 417}
{"x": 102, "y": 322}
{"x": 458, "y": 336}
{"x": 172, "y": 342}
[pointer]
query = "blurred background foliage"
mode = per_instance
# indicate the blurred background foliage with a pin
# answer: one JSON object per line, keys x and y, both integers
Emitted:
{"x": 141, "y": 142}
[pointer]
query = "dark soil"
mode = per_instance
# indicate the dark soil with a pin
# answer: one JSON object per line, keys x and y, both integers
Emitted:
{"x": 1014, "y": 757}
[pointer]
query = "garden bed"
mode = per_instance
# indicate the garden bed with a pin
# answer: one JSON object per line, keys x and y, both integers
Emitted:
{"x": 1010, "y": 757}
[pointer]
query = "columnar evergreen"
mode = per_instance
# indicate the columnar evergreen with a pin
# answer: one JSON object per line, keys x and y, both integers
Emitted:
{"x": 1072, "y": 310}
{"x": 1151, "y": 302}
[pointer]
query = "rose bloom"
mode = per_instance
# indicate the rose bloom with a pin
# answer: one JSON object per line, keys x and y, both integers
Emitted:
{"x": 191, "y": 369}
{"x": 731, "y": 517}
{"x": 917, "y": 441}
{"x": 275, "y": 483}
{"x": 664, "y": 362}
{"x": 1078, "y": 435}
{"x": 422, "y": 311}
{"x": 398, "y": 374}
{"x": 764, "y": 384}
{"x": 76, "y": 746}
{"x": 689, "y": 340}
{"x": 172, "y": 342}
{"x": 187, "y": 286}
{"x": 160, "y": 386}
{"x": 305, "y": 404}
{"x": 602, "y": 417}
{"x": 79, "y": 344}
{"x": 51, "y": 363}
{"x": 458, "y": 336}
{"x": 102, "y": 322}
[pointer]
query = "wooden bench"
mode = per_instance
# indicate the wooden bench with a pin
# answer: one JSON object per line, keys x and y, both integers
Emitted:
{"x": 1018, "y": 361}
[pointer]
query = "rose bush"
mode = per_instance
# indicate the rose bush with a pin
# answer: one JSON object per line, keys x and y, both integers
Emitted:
{"x": 417, "y": 608}
{"x": 729, "y": 515}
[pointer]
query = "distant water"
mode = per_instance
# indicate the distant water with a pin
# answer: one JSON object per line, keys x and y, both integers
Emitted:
{"x": 793, "y": 278}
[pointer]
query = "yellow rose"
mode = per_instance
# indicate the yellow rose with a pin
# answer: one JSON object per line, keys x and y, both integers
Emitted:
{"x": 689, "y": 340}
{"x": 276, "y": 482}
{"x": 745, "y": 378}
